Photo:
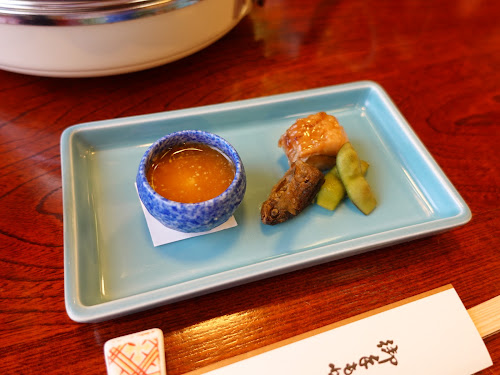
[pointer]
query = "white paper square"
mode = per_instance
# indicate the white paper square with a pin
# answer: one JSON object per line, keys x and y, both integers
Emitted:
{"x": 161, "y": 235}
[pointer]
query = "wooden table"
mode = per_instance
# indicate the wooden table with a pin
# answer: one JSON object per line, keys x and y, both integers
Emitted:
{"x": 439, "y": 62}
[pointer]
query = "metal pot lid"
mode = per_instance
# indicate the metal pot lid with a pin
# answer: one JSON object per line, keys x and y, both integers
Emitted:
{"x": 68, "y": 12}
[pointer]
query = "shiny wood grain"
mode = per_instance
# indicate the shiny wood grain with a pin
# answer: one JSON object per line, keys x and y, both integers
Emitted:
{"x": 439, "y": 62}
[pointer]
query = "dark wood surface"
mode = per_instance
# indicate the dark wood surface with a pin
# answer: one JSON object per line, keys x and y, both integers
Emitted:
{"x": 439, "y": 62}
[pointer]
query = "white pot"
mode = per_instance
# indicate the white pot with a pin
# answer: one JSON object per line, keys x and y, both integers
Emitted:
{"x": 94, "y": 38}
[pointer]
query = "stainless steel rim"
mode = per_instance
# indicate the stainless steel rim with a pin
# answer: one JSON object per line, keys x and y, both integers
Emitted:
{"x": 63, "y": 12}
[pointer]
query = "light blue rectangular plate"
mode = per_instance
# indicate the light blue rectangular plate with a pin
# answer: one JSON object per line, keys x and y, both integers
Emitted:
{"x": 111, "y": 267}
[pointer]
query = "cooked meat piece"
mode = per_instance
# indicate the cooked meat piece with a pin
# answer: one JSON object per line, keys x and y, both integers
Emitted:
{"x": 294, "y": 192}
{"x": 315, "y": 139}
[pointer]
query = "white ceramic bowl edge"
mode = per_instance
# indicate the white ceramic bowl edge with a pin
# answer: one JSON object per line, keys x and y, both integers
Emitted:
{"x": 120, "y": 47}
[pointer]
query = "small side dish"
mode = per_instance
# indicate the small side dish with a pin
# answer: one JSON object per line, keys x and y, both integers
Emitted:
{"x": 193, "y": 201}
{"x": 191, "y": 173}
{"x": 312, "y": 144}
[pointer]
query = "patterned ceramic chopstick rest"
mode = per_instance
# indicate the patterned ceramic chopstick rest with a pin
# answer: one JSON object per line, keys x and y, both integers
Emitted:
{"x": 137, "y": 353}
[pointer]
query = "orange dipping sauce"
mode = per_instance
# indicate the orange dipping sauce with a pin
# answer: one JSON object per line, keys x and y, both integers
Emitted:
{"x": 191, "y": 173}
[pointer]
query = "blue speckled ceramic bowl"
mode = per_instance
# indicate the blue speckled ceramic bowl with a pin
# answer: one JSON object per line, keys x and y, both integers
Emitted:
{"x": 191, "y": 217}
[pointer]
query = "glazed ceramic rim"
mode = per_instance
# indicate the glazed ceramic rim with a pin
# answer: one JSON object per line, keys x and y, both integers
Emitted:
{"x": 146, "y": 160}
{"x": 83, "y": 12}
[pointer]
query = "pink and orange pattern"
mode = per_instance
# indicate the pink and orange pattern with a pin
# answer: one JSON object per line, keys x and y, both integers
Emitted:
{"x": 140, "y": 353}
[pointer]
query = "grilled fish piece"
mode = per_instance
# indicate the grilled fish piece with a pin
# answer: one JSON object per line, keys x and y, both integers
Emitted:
{"x": 293, "y": 192}
{"x": 315, "y": 139}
